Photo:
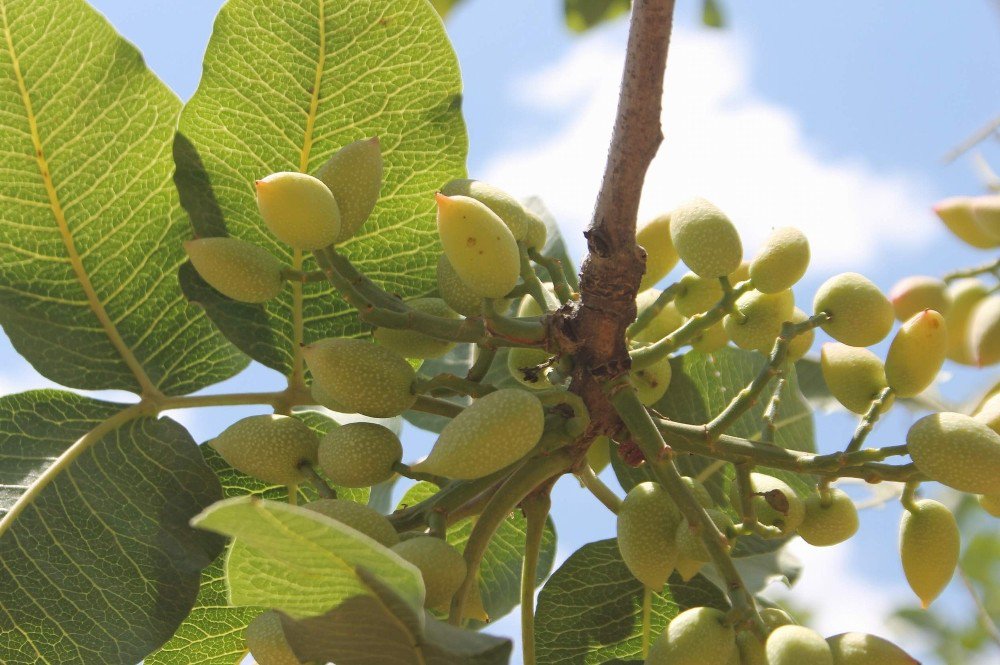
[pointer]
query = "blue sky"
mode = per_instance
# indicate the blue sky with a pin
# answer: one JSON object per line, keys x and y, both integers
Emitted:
{"x": 829, "y": 116}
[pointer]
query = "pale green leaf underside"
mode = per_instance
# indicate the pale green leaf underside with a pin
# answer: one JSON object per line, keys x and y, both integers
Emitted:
{"x": 299, "y": 561}
{"x": 212, "y": 634}
{"x": 381, "y": 629}
{"x": 102, "y": 566}
{"x": 385, "y": 68}
{"x": 91, "y": 222}
{"x": 590, "y": 610}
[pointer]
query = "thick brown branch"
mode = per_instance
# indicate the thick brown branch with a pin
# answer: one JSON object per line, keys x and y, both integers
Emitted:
{"x": 594, "y": 330}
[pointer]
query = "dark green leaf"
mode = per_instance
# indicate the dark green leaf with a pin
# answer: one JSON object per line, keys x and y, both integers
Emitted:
{"x": 581, "y": 15}
{"x": 384, "y": 68}
{"x": 92, "y": 227}
{"x": 102, "y": 566}
{"x": 500, "y": 571}
{"x": 590, "y": 610}
{"x": 380, "y": 628}
{"x": 212, "y": 634}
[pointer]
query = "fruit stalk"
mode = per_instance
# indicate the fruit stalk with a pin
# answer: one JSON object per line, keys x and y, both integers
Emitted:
{"x": 531, "y": 281}
{"x": 521, "y": 483}
{"x": 746, "y": 398}
{"x": 563, "y": 280}
{"x": 536, "y": 509}
{"x": 647, "y": 315}
{"x": 868, "y": 421}
{"x": 647, "y": 436}
{"x": 596, "y": 486}
{"x": 991, "y": 267}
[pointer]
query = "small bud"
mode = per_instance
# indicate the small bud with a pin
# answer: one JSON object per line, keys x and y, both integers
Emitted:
{"x": 479, "y": 246}
{"x": 759, "y": 319}
{"x": 984, "y": 331}
{"x": 929, "y": 544}
{"x": 830, "y": 523}
{"x": 797, "y": 645}
{"x": 958, "y": 451}
{"x": 698, "y": 636}
{"x": 272, "y": 448}
{"x": 354, "y": 176}
{"x": 299, "y": 209}
{"x": 917, "y": 293}
{"x": 957, "y": 214}
{"x": 236, "y": 268}
{"x": 916, "y": 354}
{"x": 506, "y": 207}
{"x": 441, "y": 565}
{"x": 661, "y": 257}
{"x": 537, "y": 233}
{"x": 854, "y": 376}
{"x": 986, "y": 212}
{"x": 359, "y": 517}
{"x": 364, "y": 377}
{"x": 647, "y": 521}
{"x": 498, "y": 429}
{"x": 782, "y": 261}
{"x": 359, "y": 454}
{"x": 860, "y": 315}
{"x": 705, "y": 239}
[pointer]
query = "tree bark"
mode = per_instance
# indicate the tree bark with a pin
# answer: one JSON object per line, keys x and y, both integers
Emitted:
{"x": 594, "y": 328}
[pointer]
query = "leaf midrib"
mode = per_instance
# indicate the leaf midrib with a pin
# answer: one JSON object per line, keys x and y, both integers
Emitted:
{"x": 298, "y": 326}
{"x": 145, "y": 384}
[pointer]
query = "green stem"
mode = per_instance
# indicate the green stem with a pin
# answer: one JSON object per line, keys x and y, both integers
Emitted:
{"x": 534, "y": 285}
{"x": 437, "y": 407}
{"x": 647, "y": 436}
{"x": 318, "y": 483}
{"x": 770, "y": 415}
{"x": 484, "y": 360}
{"x": 868, "y": 420}
{"x": 863, "y": 464}
{"x": 529, "y": 476}
{"x": 647, "y": 315}
{"x": 455, "y": 385}
{"x": 650, "y": 355}
{"x": 990, "y": 267}
{"x": 744, "y": 486}
{"x": 596, "y": 486}
{"x": 451, "y": 497}
{"x": 407, "y": 472}
{"x": 514, "y": 332}
{"x": 292, "y": 275}
{"x": 230, "y": 399}
{"x": 560, "y": 277}
{"x": 909, "y": 496}
{"x": 747, "y": 398}
{"x": 536, "y": 509}
{"x": 647, "y": 619}
{"x": 67, "y": 457}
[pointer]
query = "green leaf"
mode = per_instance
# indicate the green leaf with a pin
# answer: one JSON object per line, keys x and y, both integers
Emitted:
{"x": 457, "y": 362}
{"x": 212, "y": 634}
{"x": 590, "y": 610}
{"x": 700, "y": 387}
{"x": 286, "y": 84}
{"x": 381, "y": 628}
{"x": 500, "y": 570}
{"x": 91, "y": 223}
{"x": 760, "y": 563}
{"x": 582, "y": 15}
{"x": 102, "y": 566}
{"x": 299, "y": 561}
{"x": 444, "y": 7}
{"x": 711, "y": 14}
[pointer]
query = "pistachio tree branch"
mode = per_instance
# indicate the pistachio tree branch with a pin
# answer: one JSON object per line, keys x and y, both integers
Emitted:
{"x": 531, "y": 282}
{"x": 868, "y": 420}
{"x": 596, "y": 486}
{"x": 992, "y": 267}
{"x": 558, "y": 273}
{"x": 646, "y": 316}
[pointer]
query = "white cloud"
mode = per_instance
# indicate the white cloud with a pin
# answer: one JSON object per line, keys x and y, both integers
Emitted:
{"x": 724, "y": 142}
